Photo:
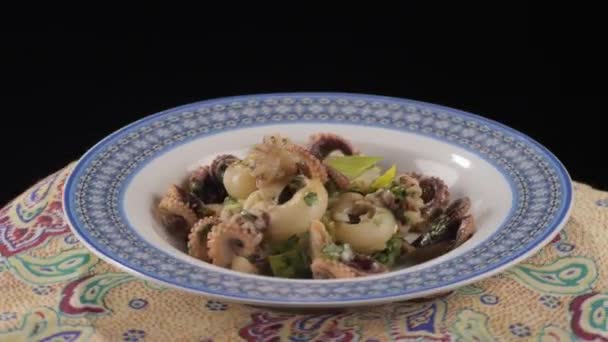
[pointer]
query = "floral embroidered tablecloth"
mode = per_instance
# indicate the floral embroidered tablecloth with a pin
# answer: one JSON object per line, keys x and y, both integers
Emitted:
{"x": 53, "y": 289}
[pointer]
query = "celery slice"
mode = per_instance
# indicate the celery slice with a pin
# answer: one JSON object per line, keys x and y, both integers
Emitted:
{"x": 386, "y": 179}
{"x": 351, "y": 166}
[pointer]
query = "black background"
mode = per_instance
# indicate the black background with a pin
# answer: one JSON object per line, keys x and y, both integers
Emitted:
{"x": 66, "y": 91}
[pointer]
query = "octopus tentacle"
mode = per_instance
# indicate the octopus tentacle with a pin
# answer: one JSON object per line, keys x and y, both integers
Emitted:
{"x": 220, "y": 164}
{"x": 413, "y": 203}
{"x": 312, "y": 165}
{"x": 459, "y": 208}
{"x": 407, "y": 248}
{"x": 178, "y": 211}
{"x": 319, "y": 238}
{"x": 338, "y": 177}
{"x": 331, "y": 269}
{"x": 322, "y": 144}
{"x": 465, "y": 231}
{"x": 197, "y": 239}
{"x": 229, "y": 239}
{"x": 270, "y": 161}
{"x": 206, "y": 187}
{"x": 435, "y": 194}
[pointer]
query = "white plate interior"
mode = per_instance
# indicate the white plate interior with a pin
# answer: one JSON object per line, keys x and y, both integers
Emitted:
{"x": 465, "y": 173}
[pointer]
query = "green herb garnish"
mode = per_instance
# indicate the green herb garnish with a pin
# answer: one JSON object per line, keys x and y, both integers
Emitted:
{"x": 391, "y": 253}
{"x": 332, "y": 251}
{"x": 284, "y": 246}
{"x": 291, "y": 264}
{"x": 289, "y": 259}
{"x": 399, "y": 192}
{"x": 311, "y": 198}
{"x": 338, "y": 252}
{"x": 232, "y": 205}
{"x": 230, "y": 200}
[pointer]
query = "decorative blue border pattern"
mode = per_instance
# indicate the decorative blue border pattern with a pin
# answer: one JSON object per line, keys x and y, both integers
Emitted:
{"x": 93, "y": 196}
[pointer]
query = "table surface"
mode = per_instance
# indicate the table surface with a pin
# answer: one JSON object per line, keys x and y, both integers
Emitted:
{"x": 53, "y": 288}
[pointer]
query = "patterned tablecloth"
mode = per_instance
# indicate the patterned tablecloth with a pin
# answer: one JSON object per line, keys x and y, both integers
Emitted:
{"x": 53, "y": 289}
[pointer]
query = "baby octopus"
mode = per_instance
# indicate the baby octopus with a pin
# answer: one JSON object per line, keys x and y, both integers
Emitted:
{"x": 233, "y": 238}
{"x": 197, "y": 239}
{"x": 321, "y": 145}
{"x": 179, "y": 210}
{"x": 205, "y": 186}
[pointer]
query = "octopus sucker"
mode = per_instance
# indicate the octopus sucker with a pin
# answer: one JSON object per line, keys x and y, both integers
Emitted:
{"x": 322, "y": 145}
{"x": 312, "y": 166}
{"x": 270, "y": 161}
{"x": 331, "y": 269}
{"x": 220, "y": 164}
{"x": 177, "y": 212}
{"x": 197, "y": 239}
{"x": 435, "y": 194}
{"x": 228, "y": 239}
{"x": 206, "y": 187}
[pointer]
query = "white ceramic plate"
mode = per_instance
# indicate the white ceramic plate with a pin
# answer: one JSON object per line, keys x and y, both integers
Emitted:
{"x": 520, "y": 193}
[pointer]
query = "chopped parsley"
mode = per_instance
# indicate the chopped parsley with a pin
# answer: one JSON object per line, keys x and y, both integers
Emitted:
{"x": 230, "y": 201}
{"x": 232, "y": 205}
{"x": 399, "y": 192}
{"x": 283, "y": 246}
{"x": 291, "y": 264}
{"x": 332, "y": 251}
{"x": 311, "y": 198}
{"x": 391, "y": 253}
{"x": 288, "y": 259}
{"x": 338, "y": 252}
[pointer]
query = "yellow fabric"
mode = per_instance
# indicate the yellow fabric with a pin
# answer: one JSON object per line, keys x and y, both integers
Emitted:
{"x": 51, "y": 286}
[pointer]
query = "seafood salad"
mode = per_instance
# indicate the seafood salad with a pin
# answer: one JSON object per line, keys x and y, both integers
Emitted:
{"x": 320, "y": 210}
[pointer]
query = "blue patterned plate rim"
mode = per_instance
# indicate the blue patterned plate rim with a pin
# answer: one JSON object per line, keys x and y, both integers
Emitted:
{"x": 273, "y": 291}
